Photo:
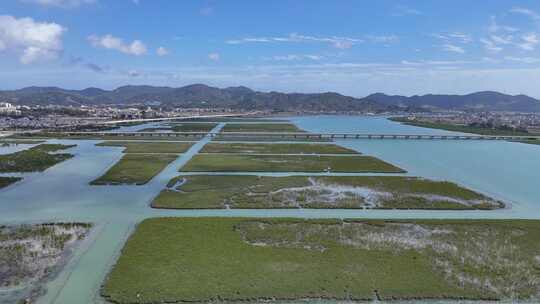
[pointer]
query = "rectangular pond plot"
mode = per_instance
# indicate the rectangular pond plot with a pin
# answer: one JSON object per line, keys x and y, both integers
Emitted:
{"x": 356, "y": 192}
{"x": 232, "y": 259}
{"x": 149, "y": 147}
{"x": 261, "y": 127}
{"x": 288, "y": 163}
{"x": 136, "y": 169}
{"x": 277, "y": 148}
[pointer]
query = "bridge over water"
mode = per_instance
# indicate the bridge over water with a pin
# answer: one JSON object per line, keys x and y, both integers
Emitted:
{"x": 295, "y": 135}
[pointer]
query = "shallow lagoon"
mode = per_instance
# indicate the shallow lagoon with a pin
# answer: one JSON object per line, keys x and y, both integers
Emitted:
{"x": 504, "y": 170}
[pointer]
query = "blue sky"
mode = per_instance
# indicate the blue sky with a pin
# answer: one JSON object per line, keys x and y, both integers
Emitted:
{"x": 352, "y": 47}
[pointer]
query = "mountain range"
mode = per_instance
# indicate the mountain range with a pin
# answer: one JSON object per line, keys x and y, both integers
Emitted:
{"x": 200, "y": 95}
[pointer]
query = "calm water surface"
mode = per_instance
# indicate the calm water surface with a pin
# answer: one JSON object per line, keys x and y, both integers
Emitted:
{"x": 507, "y": 171}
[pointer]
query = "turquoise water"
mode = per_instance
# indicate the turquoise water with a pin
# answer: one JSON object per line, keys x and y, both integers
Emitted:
{"x": 507, "y": 171}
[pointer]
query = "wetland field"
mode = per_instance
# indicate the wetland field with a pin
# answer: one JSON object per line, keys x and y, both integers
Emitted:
{"x": 164, "y": 219}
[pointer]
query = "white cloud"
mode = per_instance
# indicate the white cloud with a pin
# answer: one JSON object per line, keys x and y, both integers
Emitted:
{"x": 61, "y": 3}
{"x": 456, "y": 37}
{"x": 528, "y": 60}
{"x": 214, "y": 56}
{"x": 33, "y": 41}
{"x": 401, "y": 10}
{"x": 527, "y": 12}
{"x": 491, "y": 46}
{"x": 498, "y": 39}
{"x": 453, "y": 48}
{"x": 161, "y": 51}
{"x": 136, "y": 48}
{"x": 530, "y": 41}
{"x": 133, "y": 73}
{"x": 386, "y": 39}
{"x": 494, "y": 27}
{"x": 335, "y": 41}
{"x": 295, "y": 57}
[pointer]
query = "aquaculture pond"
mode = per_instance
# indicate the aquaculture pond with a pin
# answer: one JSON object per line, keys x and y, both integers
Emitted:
{"x": 503, "y": 170}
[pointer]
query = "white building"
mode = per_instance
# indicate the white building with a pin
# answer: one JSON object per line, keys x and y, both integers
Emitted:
{"x": 7, "y": 108}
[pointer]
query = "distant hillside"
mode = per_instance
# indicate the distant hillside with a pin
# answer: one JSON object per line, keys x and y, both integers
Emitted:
{"x": 482, "y": 101}
{"x": 200, "y": 95}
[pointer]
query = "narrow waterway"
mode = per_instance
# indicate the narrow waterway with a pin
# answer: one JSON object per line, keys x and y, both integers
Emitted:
{"x": 505, "y": 170}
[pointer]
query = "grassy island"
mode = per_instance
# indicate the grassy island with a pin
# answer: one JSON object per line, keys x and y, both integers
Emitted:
{"x": 261, "y": 127}
{"x": 358, "y": 192}
{"x": 31, "y": 254}
{"x": 299, "y": 148}
{"x": 460, "y": 128}
{"x": 149, "y": 147}
{"x": 192, "y": 127}
{"x": 287, "y": 163}
{"x": 38, "y": 158}
{"x": 173, "y": 260}
{"x": 136, "y": 169}
{"x": 6, "y": 181}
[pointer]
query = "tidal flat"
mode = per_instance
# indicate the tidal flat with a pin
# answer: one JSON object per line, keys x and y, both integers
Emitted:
{"x": 32, "y": 254}
{"x": 288, "y": 163}
{"x": 149, "y": 147}
{"x": 277, "y": 148}
{"x": 342, "y": 192}
{"x": 243, "y": 259}
{"x": 135, "y": 169}
{"x": 35, "y": 159}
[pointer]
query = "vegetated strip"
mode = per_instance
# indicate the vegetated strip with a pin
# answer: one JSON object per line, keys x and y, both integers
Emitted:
{"x": 462, "y": 128}
{"x": 295, "y": 148}
{"x": 259, "y": 138}
{"x": 345, "y": 192}
{"x": 149, "y": 147}
{"x": 136, "y": 169}
{"x": 135, "y": 137}
{"x": 38, "y": 158}
{"x": 193, "y": 127}
{"x": 7, "y": 181}
{"x": 261, "y": 127}
{"x": 288, "y": 163}
{"x": 170, "y": 260}
{"x": 30, "y": 255}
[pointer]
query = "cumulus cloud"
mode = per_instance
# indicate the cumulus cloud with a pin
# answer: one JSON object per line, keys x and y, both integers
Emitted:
{"x": 60, "y": 3}
{"x": 136, "y": 48}
{"x": 490, "y": 46}
{"x": 161, "y": 51}
{"x": 214, "y": 56}
{"x": 33, "y": 41}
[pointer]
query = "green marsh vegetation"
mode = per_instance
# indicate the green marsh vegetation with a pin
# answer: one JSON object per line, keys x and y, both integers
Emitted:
{"x": 261, "y": 127}
{"x": 149, "y": 147}
{"x": 6, "y": 181}
{"x": 38, "y": 158}
{"x": 30, "y": 254}
{"x": 277, "y": 148}
{"x": 287, "y": 163}
{"x": 473, "y": 129}
{"x": 193, "y": 127}
{"x": 358, "y": 192}
{"x": 233, "y": 259}
{"x": 269, "y": 139}
{"x": 136, "y": 169}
